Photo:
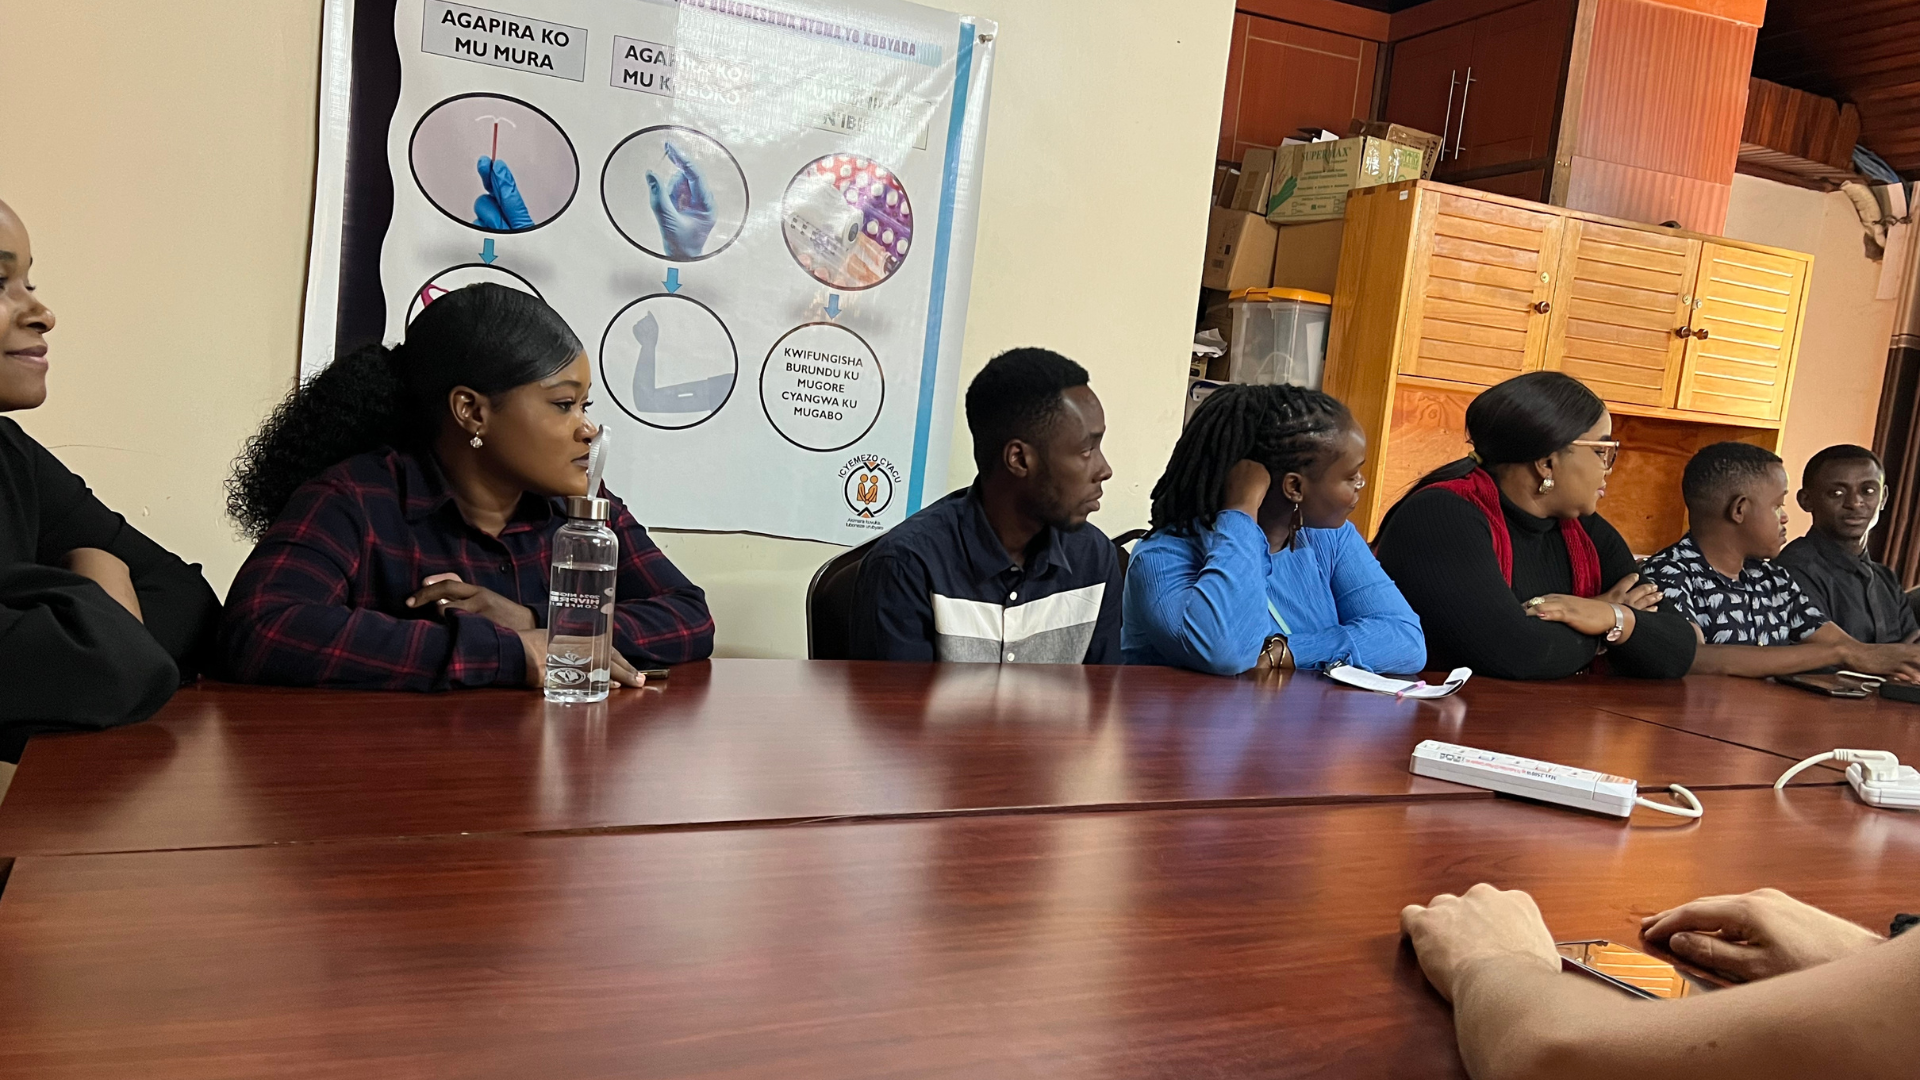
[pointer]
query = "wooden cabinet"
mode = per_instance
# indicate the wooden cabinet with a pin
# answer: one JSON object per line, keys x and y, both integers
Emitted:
{"x": 1622, "y": 308}
{"x": 1492, "y": 86}
{"x": 1423, "y": 81}
{"x": 1745, "y": 327}
{"x": 1282, "y": 77}
{"x": 1480, "y": 294}
{"x": 1444, "y": 291}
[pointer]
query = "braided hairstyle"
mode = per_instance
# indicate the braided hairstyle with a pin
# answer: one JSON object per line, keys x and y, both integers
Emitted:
{"x": 1285, "y": 428}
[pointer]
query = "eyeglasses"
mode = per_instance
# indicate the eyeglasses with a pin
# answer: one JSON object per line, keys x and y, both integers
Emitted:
{"x": 1608, "y": 450}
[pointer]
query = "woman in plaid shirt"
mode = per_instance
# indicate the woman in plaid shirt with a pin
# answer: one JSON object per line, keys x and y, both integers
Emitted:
{"x": 405, "y": 502}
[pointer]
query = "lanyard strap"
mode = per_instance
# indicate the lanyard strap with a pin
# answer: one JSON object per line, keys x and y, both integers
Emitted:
{"x": 1278, "y": 621}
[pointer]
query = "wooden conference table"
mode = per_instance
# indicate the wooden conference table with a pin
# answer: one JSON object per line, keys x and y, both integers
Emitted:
{"x": 786, "y": 869}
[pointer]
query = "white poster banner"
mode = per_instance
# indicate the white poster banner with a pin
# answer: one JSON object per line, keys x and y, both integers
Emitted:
{"x": 758, "y": 217}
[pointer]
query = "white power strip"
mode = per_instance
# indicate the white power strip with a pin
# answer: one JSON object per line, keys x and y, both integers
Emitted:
{"x": 1542, "y": 780}
{"x": 1902, "y": 792}
{"x": 1876, "y": 775}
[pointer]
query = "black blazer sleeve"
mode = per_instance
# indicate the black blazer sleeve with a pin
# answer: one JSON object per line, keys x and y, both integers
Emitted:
{"x": 1663, "y": 642}
{"x": 71, "y": 657}
{"x": 180, "y": 609}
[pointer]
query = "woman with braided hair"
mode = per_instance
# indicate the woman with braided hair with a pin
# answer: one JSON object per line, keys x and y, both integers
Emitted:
{"x": 1252, "y": 562}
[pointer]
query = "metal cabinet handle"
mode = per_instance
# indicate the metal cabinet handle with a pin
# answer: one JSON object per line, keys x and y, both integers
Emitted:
{"x": 1701, "y": 333}
{"x": 1683, "y": 332}
{"x": 1452, "y": 78}
{"x": 1542, "y": 307}
{"x": 1460, "y": 140}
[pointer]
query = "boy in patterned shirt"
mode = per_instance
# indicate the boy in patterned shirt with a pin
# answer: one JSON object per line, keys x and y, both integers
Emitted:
{"x": 1751, "y": 615}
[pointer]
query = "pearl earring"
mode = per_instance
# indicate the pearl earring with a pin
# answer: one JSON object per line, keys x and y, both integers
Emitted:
{"x": 1546, "y": 485}
{"x": 475, "y": 442}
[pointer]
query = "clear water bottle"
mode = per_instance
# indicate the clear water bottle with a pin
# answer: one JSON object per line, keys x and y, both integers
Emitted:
{"x": 580, "y": 604}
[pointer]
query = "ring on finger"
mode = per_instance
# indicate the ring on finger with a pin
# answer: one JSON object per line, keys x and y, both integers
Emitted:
{"x": 1533, "y": 603}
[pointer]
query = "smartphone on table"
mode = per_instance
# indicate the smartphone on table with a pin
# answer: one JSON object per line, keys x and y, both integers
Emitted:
{"x": 1629, "y": 970}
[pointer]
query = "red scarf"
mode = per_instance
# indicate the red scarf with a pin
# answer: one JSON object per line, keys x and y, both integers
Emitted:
{"x": 1479, "y": 489}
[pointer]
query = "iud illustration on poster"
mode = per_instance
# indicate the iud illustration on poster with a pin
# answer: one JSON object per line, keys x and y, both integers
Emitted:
{"x": 757, "y": 216}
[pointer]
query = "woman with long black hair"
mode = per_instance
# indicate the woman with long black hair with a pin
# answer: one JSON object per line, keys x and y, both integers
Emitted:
{"x": 1252, "y": 561}
{"x": 1505, "y": 555}
{"x": 405, "y": 502}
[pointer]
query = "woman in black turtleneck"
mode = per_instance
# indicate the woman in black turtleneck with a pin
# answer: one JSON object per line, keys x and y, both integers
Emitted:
{"x": 1504, "y": 558}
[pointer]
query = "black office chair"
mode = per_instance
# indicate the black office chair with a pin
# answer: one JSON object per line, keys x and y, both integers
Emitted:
{"x": 830, "y": 605}
{"x": 1120, "y": 548}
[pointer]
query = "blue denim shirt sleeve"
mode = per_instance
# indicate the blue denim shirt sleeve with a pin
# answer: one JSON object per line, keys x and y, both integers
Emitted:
{"x": 1201, "y": 602}
{"x": 1377, "y": 630}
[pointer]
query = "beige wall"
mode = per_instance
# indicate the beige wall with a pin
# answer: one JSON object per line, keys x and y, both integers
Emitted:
{"x": 162, "y": 156}
{"x": 1843, "y": 350}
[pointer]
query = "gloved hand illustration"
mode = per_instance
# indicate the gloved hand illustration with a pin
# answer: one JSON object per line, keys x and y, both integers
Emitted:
{"x": 686, "y": 215}
{"x": 501, "y": 208}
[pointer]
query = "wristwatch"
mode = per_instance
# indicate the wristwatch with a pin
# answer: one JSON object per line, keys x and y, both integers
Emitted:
{"x": 1619, "y": 622}
{"x": 1275, "y": 655}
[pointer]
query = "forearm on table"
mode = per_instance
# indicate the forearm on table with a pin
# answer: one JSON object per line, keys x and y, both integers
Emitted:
{"x": 668, "y": 629}
{"x": 1853, "y": 1017}
{"x": 1760, "y": 661}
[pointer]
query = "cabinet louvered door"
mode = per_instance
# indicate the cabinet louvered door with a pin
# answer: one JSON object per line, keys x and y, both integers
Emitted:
{"x": 1623, "y": 295}
{"x": 1480, "y": 290}
{"x": 1749, "y": 307}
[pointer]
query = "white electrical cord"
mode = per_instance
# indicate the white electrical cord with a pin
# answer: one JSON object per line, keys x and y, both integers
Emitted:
{"x": 1878, "y": 764}
{"x": 1677, "y": 811}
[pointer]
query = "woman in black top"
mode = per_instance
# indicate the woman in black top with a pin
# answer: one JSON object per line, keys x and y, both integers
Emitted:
{"x": 98, "y": 624}
{"x": 1503, "y": 556}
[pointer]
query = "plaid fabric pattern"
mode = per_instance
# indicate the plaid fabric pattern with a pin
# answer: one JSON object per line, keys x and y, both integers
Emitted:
{"x": 322, "y": 599}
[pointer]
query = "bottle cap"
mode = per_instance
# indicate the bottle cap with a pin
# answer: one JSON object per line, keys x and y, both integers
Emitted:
{"x": 581, "y": 508}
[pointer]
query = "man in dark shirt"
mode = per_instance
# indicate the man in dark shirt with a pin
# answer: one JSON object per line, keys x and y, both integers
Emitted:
{"x": 1844, "y": 488}
{"x": 98, "y": 624}
{"x": 1008, "y": 570}
{"x": 1752, "y": 616}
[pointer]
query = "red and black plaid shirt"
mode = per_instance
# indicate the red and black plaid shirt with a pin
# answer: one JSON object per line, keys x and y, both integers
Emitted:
{"x": 322, "y": 599}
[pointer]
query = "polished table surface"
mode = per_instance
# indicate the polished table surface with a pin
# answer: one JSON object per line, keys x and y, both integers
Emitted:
{"x": 1255, "y": 941}
{"x": 782, "y": 869}
{"x": 765, "y": 741}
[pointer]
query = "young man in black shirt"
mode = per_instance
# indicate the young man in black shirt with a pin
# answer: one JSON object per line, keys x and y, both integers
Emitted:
{"x": 1752, "y": 616}
{"x": 97, "y": 623}
{"x": 1007, "y": 570}
{"x": 1844, "y": 488}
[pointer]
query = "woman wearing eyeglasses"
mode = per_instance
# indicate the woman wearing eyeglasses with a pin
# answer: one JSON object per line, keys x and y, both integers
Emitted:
{"x": 1505, "y": 558}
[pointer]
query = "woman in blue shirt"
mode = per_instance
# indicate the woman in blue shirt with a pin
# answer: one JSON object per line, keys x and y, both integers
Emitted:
{"x": 1251, "y": 561}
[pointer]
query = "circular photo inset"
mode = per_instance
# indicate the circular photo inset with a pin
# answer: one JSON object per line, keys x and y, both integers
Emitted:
{"x": 847, "y": 221}
{"x": 668, "y": 361}
{"x": 455, "y": 277}
{"x": 822, "y": 387}
{"x": 494, "y": 163}
{"x": 674, "y": 193}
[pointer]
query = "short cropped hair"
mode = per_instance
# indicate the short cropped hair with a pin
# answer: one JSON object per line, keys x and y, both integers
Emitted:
{"x": 1018, "y": 395}
{"x": 1719, "y": 472}
{"x": 1842, "y": 452}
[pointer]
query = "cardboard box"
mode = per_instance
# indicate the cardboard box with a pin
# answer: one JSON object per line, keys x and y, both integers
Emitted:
{"x": 1239, "y": 250}
{"x": 1311, "y": 182}
{"x": 1428, "y": 142}
{"x": 1308, "y": 256}
{"x": 1256, "y": 176}
{"x": 1226, "y": 177}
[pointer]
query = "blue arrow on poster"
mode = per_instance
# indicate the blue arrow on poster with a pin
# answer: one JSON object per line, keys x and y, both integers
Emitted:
{"x": 833, "y": 306}
{"x": 673, "y": 280}
{"x": 486, "y": 252}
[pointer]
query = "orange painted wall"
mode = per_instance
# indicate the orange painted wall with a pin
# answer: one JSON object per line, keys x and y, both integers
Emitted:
{"x": 1843, "y": 350}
